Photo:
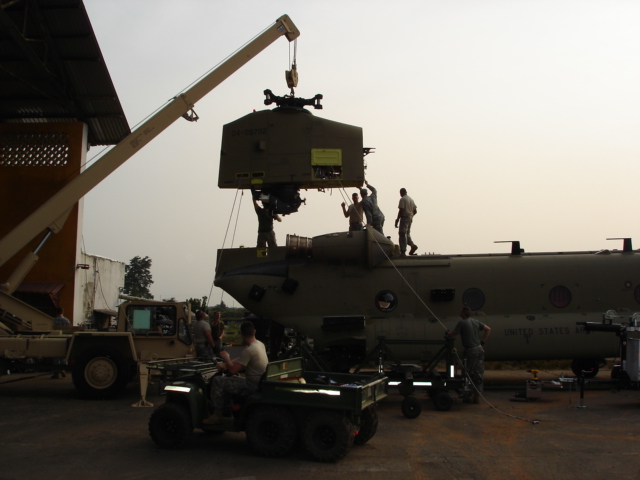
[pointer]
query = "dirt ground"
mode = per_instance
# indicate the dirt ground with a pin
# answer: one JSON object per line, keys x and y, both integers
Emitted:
{"x": 48, "y": 432}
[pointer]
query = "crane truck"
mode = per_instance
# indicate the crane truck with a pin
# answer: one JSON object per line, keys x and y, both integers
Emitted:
{"x": 102, "y": 362}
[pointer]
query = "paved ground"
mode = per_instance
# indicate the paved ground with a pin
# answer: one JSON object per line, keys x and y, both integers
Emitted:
{"x": 50, "y": 433}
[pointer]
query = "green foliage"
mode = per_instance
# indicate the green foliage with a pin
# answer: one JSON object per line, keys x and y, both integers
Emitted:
{"x": 197, "y": 304}
{"x": 232, "y": 332}
{"x": 232, "y": 318}
{"x": 137, "y": 277}
{"x": 227, "y": 313}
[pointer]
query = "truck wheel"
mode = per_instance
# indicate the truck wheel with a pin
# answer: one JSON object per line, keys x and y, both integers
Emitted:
{"x": 411, "y": 407}
{"x": 271, "y": 431}
{"x": 327, "y": 436}
{"x": 442, "y": 401}
{"x": 368, "y": 425}
{"x": 101, "y": 373}
{"x": 170, "y": 426}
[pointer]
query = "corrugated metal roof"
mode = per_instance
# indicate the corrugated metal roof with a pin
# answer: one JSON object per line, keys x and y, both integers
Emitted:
{"x": 45, "y": 288}
{"x": 52, "y": 70}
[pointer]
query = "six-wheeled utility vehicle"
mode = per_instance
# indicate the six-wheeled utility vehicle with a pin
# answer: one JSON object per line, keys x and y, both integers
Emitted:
{"x": 327, "y": 412}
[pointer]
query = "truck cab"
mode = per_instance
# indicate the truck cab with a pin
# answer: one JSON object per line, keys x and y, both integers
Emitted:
{"x": 104, "y": 362}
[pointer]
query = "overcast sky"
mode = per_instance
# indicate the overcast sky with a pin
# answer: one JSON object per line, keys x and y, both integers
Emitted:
{"x": 504, "y": 120}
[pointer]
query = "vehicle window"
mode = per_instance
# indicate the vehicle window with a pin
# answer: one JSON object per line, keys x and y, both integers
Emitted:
{"x": 152, "y": 320}
{"x": 141, "y": 320}
{"x": 184, "y": 333}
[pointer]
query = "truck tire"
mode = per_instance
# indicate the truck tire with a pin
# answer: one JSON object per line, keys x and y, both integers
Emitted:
{"x": 170, "y": 426}
{"x": 101, "y": 373}
{"x": 411, "y": 407}
{"x": 327, "y": 436}
{"x": 271, "y": 431}
{"x": 368, "y": 425}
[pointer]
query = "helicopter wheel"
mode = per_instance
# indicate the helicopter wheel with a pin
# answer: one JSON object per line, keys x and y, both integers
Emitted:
{"x": 411, "y": 407}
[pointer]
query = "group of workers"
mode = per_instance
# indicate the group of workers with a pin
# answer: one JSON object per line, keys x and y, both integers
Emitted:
{"x": 254, "y": 361}
{"x": 207, "y": 338}
{"x": 368, "y": 209}
{"x": 357, "y": 212}
{"x": 207, "y": 335}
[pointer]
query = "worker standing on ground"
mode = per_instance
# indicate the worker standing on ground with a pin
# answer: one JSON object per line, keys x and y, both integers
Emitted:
{"x": 372, "y": 212}
{"x": 217, "y": 331}
{"x": 202, "y": 338}
{"x": 353, "y": 213}
{"x": 406, "y": 210}
{"x": 60, "y": 320}
{"x": 469, "y": 330}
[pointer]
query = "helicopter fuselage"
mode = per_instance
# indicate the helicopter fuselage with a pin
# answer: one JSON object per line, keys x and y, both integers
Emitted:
{"x": 346, "y": 290}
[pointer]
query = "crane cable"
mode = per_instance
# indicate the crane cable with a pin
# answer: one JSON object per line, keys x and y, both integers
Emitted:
{"x": 224, "y": 241}
{"x": 292, "y": 75}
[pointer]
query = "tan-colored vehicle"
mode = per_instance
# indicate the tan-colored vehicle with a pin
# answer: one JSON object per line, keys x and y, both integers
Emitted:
{"x": 103, "y": 362}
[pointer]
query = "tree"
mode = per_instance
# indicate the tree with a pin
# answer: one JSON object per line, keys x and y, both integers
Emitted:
{"x": 197, "y": 304}
{"x": 137, "y": 277}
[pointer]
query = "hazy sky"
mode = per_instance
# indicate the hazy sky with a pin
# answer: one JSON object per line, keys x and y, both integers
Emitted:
{"x": 504, "y": 120}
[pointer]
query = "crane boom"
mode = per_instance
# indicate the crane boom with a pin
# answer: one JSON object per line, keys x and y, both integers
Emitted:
{"x": 53, "y": 212}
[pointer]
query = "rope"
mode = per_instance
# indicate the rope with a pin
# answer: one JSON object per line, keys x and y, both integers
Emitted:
{"x": 235, "y": 227}
{"x": 479, "y": 393}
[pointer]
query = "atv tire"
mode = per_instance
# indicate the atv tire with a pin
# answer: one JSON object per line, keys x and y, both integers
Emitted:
{"x": 170, "y": 426}
{"x": 271, "y": 431}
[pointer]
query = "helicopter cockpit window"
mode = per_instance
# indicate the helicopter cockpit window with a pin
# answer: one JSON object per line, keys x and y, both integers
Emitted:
{"x": 386, "y": 301}
{"x": 473, "y": 298}
{"x": 560, "y": 296}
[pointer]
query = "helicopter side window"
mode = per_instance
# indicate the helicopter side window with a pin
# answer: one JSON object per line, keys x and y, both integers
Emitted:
{"x": 473, "y": 298}
{"x": 386, "y": 301}
{"x": 560, "y": 296}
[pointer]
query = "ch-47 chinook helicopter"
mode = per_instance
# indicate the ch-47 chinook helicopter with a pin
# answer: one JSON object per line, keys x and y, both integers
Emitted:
{"x": 346, "y": 290}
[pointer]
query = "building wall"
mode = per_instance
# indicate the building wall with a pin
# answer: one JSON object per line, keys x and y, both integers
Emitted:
{"x": 36, "y": 161}
{"x": 98, "y": 286}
